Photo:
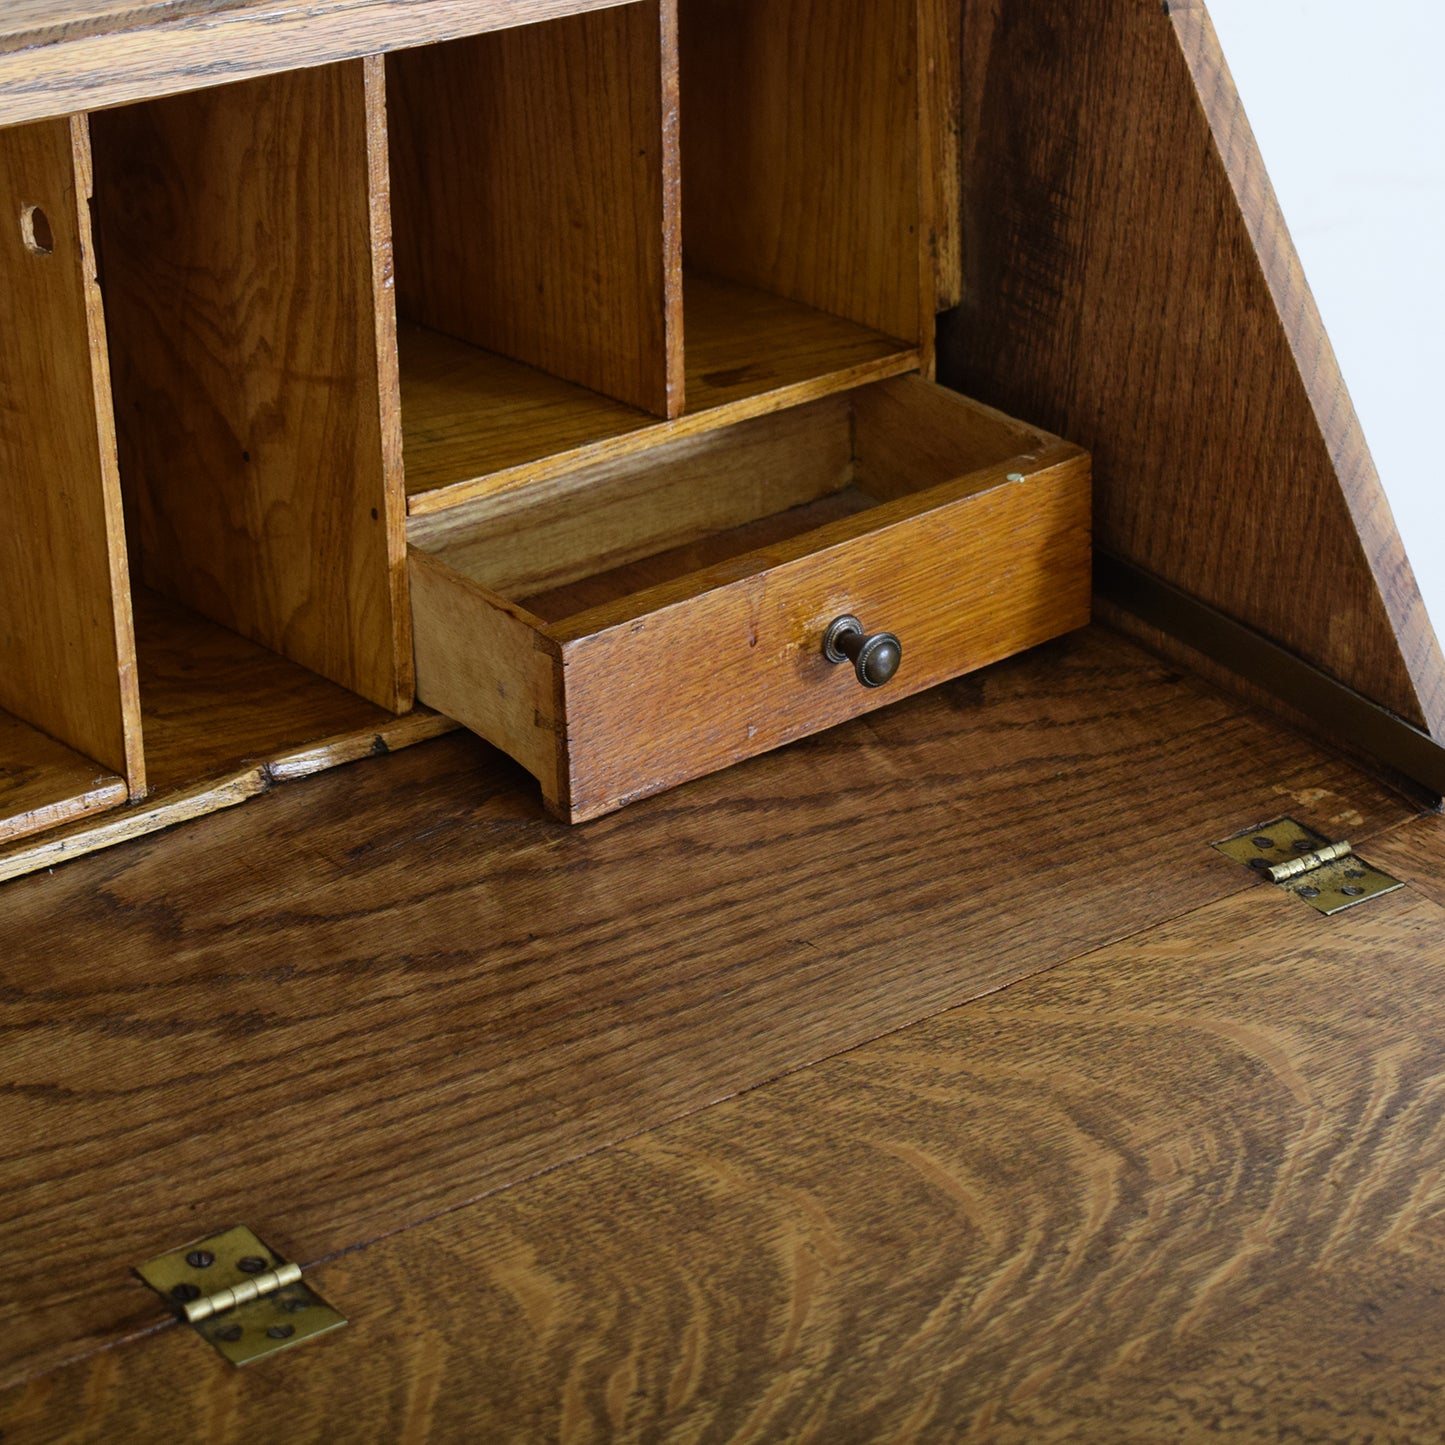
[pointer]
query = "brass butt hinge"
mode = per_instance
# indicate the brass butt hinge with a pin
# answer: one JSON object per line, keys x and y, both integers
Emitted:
{"x": 1330, "y": 877}
{"x": 241, "y": 1296}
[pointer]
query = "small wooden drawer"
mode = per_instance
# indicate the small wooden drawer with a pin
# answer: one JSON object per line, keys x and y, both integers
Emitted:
{"x": 653, "y": 619}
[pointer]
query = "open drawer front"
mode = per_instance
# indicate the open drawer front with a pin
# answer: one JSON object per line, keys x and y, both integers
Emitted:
{"x": 646, "y": 621}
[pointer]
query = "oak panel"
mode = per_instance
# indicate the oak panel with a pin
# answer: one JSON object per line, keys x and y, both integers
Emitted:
{"x": 537, "y": 196}
{"x": 801, "y": 153}
{"x": 67, "y": 56}
{"x": 1132, "y": 285}
{"x": 407, "y": 962}
{"x": 1187, "y": 1186}
{"x": 246, "y": 288}
{"x": 68, "y": 661}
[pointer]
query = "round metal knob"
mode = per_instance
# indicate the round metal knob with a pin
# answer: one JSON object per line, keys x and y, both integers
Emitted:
{"x": 875, "y": 659}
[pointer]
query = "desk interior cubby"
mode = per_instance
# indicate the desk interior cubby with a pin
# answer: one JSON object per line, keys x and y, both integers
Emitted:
{"x": 203, "y": 446}
{"x": 648, "y": 221}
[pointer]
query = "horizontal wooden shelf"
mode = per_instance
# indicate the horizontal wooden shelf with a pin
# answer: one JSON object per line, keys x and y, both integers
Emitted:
{"x": 476, "y": 424}
{"x": 43, "y": 783}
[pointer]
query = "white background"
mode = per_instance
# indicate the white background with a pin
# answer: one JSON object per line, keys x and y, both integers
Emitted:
{"x": 1347, "y": 100}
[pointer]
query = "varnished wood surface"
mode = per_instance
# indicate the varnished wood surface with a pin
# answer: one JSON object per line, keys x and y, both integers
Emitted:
{"x": 58, "y": 56}
{"x": 246, "y": 276}
{"x": 43, "y": 783}
{"x": 728, "y": 662}
{"x": 406, "y": 962}
{"x": 966, "y": 561}
{"x": 1132, "y": 286}
{"x": 801, "y": 141}
{"x": 67, "y": 656}
{"x": 537, "y": 195}
{"x": 477, "y": 424}
{"x": 224, "y": 721}
{"x": 1187, "y": 1186}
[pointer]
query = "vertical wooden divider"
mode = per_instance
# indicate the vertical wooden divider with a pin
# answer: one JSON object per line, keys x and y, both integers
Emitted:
{"x": 536, "y": 197}
{"x": 252, "y": 341}
{"x": 802, "y": 142}
{"x": 67, "y": 650}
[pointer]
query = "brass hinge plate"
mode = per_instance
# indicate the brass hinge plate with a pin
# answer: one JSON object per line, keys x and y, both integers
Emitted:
{"x": 1330, "y": 877}
{"x": 240, "y": 1295}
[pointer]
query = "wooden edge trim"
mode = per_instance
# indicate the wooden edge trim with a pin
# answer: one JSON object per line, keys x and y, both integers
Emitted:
{"x": 93, "y": 71}
{"x": 141, "y": 819}
{"x": 1266, "y": 665}
{"x": 1319, "y": 368}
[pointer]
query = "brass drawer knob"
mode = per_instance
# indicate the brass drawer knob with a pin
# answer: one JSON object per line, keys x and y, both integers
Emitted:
{"x": 875, "y": 659}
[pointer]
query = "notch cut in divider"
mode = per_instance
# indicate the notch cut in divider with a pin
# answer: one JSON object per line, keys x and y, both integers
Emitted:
{"x": 536, "y": 197}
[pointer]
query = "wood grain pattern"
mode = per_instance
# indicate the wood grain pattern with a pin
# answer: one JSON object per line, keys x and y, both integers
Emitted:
{"x": 43, "y": 784}
{"x": 70, "y": 56}
{"x": 537, "y": 197}
{"x": 68, "y": 660}
{"x": 406, "y": 961}
{"x": 1188, "y": 1186}
{"x": 802, "y": 153}
{"x": 243, "y": 292}
{"x": 225, "y": 720}
{"x": 477, "y": 424}
{"x": 1133, "y": 286}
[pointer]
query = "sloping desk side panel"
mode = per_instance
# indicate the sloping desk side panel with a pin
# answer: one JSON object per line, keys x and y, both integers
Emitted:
{"x": 1131, "y": 284}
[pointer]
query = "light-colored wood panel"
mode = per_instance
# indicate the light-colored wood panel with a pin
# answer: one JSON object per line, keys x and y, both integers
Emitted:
{"x": 801, "y": 153}
{"x": 408, "y": 961}
{"x": 536, "y": 208}
{"x": 604, "y": 516}
{"x": 477, "y": 424}
{"x": 969, "y": 574}
{"x": 1133, "y": 286}
{"x": 242, "y": 293}
{"x": 658, "y": 569}
{"x": 68, "y": 660}
{"x": 486, "y": 663}
{"x": 62, "y": 58}
{"x": 1186, "y": 1185}
{"x": 43, "y": 784}
{"x": 910, "y": 434}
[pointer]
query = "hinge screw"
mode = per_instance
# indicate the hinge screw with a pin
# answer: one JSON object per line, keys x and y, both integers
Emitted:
{"x": 185, "y": 1293}
{"x": 200, "y": 1259}
{"x": 252, "y": 1264}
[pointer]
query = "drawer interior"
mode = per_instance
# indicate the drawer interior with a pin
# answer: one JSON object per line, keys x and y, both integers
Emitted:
{"x": 643, "y": 622}
{"x": 696, "y": 507}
